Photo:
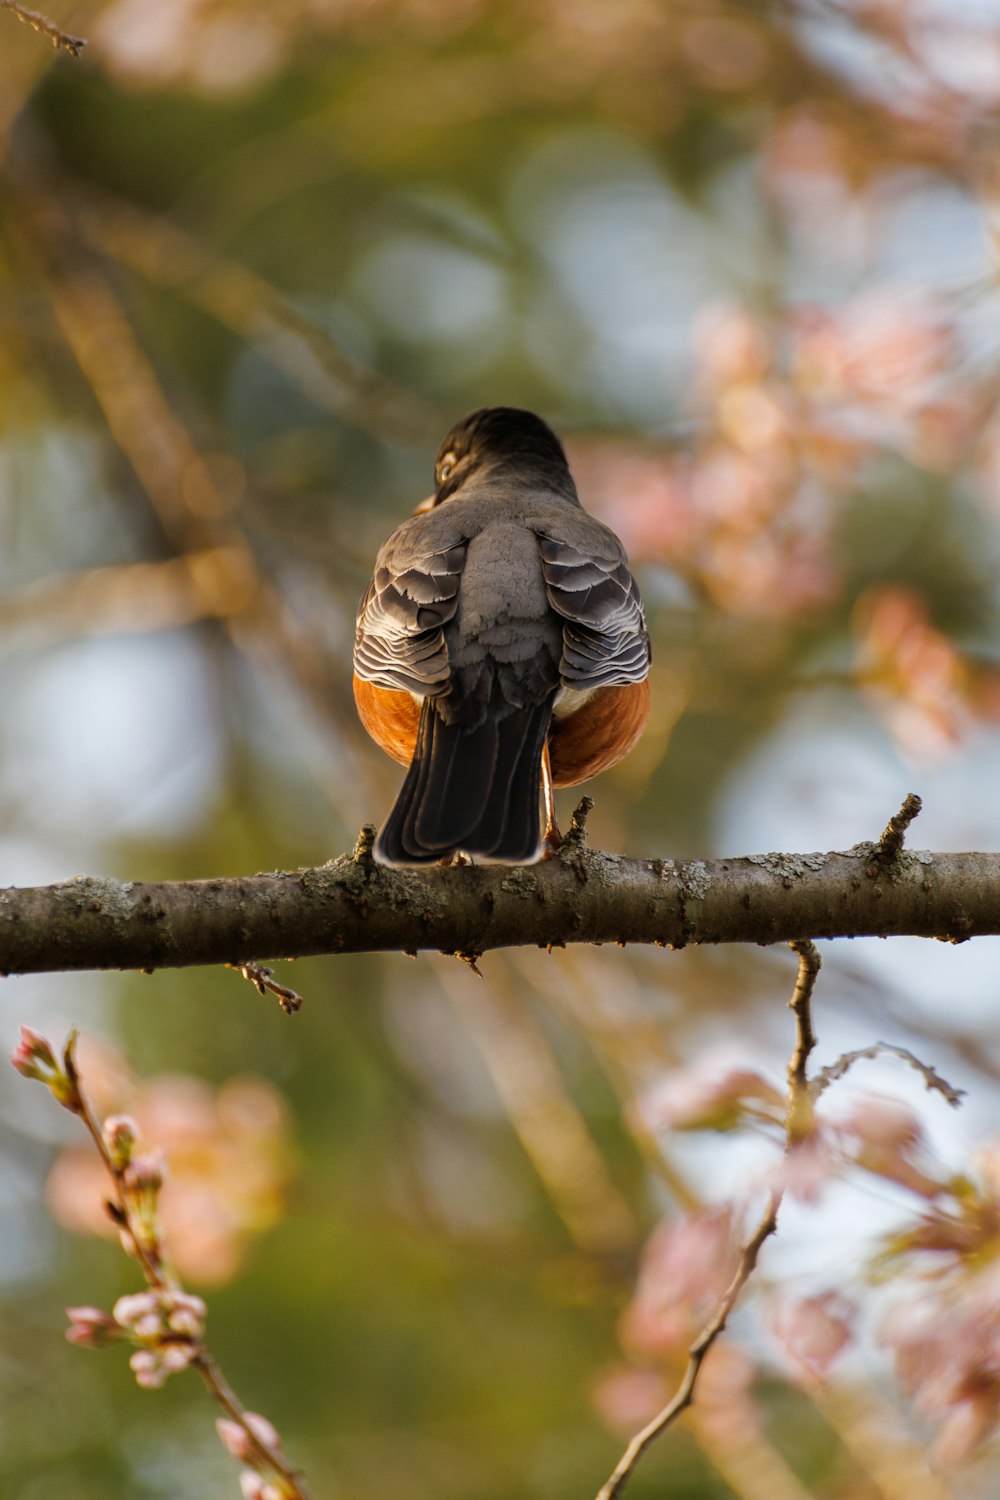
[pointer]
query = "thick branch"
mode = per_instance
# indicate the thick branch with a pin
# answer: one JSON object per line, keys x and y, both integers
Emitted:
{"x": 352, "y": 905}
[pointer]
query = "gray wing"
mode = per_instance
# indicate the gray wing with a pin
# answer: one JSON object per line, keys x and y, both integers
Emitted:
{"x": 588, "y": 582}
{"x": 400, "y": 633}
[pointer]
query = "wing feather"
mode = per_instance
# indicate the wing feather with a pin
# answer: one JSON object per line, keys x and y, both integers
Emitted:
{"x": 605, "y": 643}
{"x": 399, "y": 642}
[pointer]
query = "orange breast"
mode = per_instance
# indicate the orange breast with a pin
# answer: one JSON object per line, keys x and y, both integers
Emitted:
{"x": 599, "y": 734}
{"x": 390, "y": 717}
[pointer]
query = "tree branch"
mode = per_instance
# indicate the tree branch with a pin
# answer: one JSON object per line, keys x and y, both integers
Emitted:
{"x": 798, "y": 1123}
{"x": 354, "y": 905}
{"x": 74, "y": 45}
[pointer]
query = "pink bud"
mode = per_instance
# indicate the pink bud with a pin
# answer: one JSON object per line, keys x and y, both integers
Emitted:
{"x": 176, "y": 1357}
{"x": 91, "y": 1328}
{"x": 36, "y": 1046}
{"x": 94, "y": 1315}
{"x": 33, "y": 1056}
{"x": 187, "y": 1302}
{"x": 149, "y": 1326}
{"x": 145, "y": 1173}
{"x": 148, "y": 1369}
{"x": 235, "y": 1439}
{"x": 185, "y": 1323}
{"x": 120, "y": 1135}
{"x": 264, "y": 1431}
{"x": 251, "y": 1485}
{"x": 131, "y": 1309}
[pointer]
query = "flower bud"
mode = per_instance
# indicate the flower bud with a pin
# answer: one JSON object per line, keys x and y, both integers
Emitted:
{"x": 146, "y": 1172}
{"x": 148, "y": 1369}
{"x": 120, "y": 1135}
{"x": 176, "y": 1357}
{"x": 137, "y": 1307}
{"x": 264, "y": 1431}
{"x": 33, "y": 1055}
{"x": 91, "y": 1327}
{"x": 235, "y": 1439}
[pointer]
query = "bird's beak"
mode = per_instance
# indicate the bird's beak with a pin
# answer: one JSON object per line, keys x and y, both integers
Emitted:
{"x": 426, "y": 505}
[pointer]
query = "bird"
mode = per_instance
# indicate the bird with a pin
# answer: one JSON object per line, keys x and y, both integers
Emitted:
{"x": 501, "y": 648}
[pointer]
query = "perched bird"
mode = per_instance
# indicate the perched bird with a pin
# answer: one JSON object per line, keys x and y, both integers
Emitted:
{"x": 500, "y": 645}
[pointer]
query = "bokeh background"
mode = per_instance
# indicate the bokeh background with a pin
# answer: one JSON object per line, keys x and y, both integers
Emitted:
{"x": 255, "y": 261}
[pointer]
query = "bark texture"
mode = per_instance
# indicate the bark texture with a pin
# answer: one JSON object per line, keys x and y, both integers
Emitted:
{"x": 353, "y": 905}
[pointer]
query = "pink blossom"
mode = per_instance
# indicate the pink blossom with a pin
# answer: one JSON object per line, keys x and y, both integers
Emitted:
{"x": 725, "y": 1408}
{"x": 947, "y": 1352}
{"x": 685, "y": 1268}
{"x": 814, "y": 1331}
{"x": 626, "y": 1398}
{"x": 912, "y": 672}
{"x": 885, "y": 1137}
{"x": 229, "y": 1159}
{"x": 805, "y": 1170}
{"x": 711, "y": 1095}
{"x": 731, "y": 345}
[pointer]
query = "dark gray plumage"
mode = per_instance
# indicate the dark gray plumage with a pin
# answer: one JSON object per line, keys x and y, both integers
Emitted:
{"x": 499, "y": 593}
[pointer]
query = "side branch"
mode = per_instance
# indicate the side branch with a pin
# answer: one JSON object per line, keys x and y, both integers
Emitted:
{"x": 797, "y": 1128}
{"x": 353, "y": 905}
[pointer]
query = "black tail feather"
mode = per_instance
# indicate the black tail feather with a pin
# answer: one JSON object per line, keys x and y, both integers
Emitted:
{"x": 475, "y": 790}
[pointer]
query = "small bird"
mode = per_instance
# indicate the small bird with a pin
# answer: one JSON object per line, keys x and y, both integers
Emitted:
{"x": 501, "y": 648}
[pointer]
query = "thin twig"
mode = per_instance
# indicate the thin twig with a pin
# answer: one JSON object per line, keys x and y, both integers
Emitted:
{"x": 799, "y": 1111}
{"x": 891, "y": 843}
{"x": 74, "y": 45}
{"x": 844, "y": 1063}
{"x": 799, "y": 1117}
{"x": 697, "y": 1352}
{"x": 151, "y": 1263}
{"x": 262, "y": 978}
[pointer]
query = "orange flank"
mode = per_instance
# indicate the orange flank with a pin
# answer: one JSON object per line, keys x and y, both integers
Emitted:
{"x": 391, "y": 718}
{"x": 598, "y": 735}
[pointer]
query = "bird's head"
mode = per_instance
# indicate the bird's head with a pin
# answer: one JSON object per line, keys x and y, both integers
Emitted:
{"x": 502, "y": 438}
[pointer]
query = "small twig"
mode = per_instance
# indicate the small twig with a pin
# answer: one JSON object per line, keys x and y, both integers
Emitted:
{"x": 799, "y": 1118}
{"x": 134, "y": 1210}
{"x": 697, "y": 1352}
{"x": 364, "y": 846}
{"x": 74, "y": 45}
{"x": 576, "y": 838}
{"x": 149, "y": 1260}
{"x": 466, "y": 956}
{"x": 844, "y": 1063}
{"x": 891, "y": 843}
{"x": 262, "y": 978}
{"x": 799, "y": 1112}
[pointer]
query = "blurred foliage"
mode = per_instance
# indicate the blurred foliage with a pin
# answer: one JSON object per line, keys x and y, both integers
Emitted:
{"x": 255, "y": 261}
